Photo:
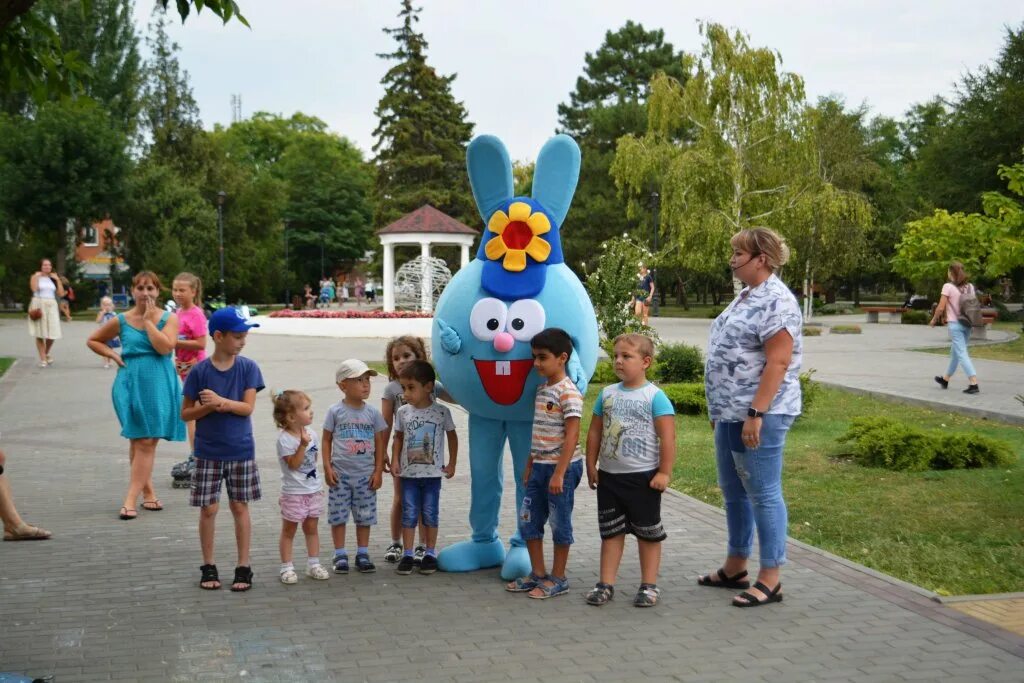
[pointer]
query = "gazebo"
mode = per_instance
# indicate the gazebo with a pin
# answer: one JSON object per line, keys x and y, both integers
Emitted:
{"x": 425, "y": 226}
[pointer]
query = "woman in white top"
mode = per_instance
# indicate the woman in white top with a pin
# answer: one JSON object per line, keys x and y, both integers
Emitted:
{"x": 46, "y": 289}
{"x": 959, "y": 334}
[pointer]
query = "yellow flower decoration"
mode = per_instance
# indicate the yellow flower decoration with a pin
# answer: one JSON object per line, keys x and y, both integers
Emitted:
{"x": 518, "y": 234}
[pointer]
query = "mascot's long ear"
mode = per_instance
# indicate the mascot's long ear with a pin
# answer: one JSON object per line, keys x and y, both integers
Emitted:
{"x": 556, "y": 174}
{"x": 490, "y": 173}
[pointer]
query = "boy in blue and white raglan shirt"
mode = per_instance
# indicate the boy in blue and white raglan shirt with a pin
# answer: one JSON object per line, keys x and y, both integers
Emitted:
{"x": 219, "y": 394}
{"x": 633, "y": 434}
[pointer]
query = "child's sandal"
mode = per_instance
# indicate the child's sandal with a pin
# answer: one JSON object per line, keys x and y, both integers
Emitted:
{"x": 524, "y": 584}
{"x": 209, "y": 576}
{"x": 601, "y": 594}
{"x": 243, "y": 578}
{"x": 559, "y": 586}
{"x": 646, "y": 596}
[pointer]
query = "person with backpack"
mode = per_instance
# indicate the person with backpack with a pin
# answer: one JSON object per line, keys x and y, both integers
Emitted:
{"x": 961, "y": 310}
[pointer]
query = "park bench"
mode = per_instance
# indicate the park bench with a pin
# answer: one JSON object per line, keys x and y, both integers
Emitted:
{"x": 895, "y": 313}
{"x": 989, "y": 315}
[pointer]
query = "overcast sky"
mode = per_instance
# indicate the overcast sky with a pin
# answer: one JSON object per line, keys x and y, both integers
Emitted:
{"x": 516, "y": 61}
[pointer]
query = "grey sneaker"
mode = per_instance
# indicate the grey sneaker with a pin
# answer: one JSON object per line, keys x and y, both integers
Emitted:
{"x": 393, "y": 553}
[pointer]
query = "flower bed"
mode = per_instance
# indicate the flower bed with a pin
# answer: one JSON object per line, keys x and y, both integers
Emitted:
{"x": 327, "y": 313}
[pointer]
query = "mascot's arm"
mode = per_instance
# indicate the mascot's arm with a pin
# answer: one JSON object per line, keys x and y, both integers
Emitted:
{"x": 450, "y": 340}
{"x": 575, "y": 371}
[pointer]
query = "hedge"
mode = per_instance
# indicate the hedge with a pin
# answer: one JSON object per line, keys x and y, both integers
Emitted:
{"x": 884, "y": 442}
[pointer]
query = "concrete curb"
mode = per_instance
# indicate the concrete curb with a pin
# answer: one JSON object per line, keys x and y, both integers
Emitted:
{"x": 950, "y": 599}
{"x": 925, "y": 403}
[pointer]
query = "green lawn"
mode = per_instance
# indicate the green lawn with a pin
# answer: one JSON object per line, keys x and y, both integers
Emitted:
{"x": 1012, "y": 351}
{"x": 4, "y": 364}
{"x": 954, "y": 532}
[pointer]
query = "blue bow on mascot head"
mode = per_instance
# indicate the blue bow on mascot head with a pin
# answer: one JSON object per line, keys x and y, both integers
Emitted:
{"x": 517, "y": 285}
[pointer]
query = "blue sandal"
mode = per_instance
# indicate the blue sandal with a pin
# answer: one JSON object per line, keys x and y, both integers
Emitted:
{"x": 524, "y": 584}
{"x": 559, "y": 586}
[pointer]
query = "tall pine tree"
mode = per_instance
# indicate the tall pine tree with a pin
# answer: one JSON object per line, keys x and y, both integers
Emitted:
{"x": 610, "y": 101}
{"x": 421, "y": 135}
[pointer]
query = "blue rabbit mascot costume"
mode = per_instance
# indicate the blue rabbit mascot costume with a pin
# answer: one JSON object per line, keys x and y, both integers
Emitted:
{"x": 517, "y": 285}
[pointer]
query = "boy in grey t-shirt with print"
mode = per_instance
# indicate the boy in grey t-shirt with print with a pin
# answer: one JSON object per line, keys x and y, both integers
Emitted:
{"x": 421, "y": 429}
{"x": 354, "y": 436}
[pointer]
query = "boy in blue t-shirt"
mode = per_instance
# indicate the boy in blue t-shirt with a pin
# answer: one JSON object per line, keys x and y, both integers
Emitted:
{"x": 633, "y": 432}
{"x": 219, "y": 394}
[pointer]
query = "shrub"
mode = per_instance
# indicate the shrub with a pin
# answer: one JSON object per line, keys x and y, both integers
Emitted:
{"x": 86, "y": 294}
{"x": 809, "y": 390}
{"x": 714, "y": 313}
{"x": 846, "y": 329}
{"x": 835, "y": 309}
{"x": 687, "y": 398}
{"x": 604, "y": 373}
{"x": 883, "y": 442}
{"x": 915, "y": 317}
{"x": 812, "y": 331}
{"x": 611, "y": 288}
{"x": 680, "y": 363}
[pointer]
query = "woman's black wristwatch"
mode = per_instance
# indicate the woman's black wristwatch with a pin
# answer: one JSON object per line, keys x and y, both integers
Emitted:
{"x": 753, "y": 412}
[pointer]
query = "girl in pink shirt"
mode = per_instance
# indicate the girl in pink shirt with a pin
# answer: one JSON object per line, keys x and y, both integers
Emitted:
{"x": 191, "y": 346}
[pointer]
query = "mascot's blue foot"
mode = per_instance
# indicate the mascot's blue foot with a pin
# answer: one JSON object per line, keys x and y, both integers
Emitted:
{"x": 517, "y": 563}
{"x": 468, "y": 556}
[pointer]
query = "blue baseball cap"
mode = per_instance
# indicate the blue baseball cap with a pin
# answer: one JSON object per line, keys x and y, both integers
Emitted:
{"x": 229, "y": 319}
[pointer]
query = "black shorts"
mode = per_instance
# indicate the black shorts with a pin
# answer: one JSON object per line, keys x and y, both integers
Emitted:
{"x": 626, "y": 504}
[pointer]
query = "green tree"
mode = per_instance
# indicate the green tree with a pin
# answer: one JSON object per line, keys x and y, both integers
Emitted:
{"x": 66, "y": 165}
{"x": 989, "y": 244}
{"x": 421, "y": 134}
{"x": 609, "y": 101}
{"x": 828, "y": 224}
{"x": 744, "y": 166}
{"x": 34, "y": 60}
{"x": 984, "y": 130}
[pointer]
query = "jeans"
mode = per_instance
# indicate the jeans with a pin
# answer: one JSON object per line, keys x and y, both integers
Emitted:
{"x": 751, "y": 483}
{"x": 539, "y": 506}
{"x": 420, "y": 496}
{"x": 959, "y": 335}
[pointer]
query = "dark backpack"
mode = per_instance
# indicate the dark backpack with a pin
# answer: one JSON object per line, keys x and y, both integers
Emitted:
{"x": 970, "y": 309}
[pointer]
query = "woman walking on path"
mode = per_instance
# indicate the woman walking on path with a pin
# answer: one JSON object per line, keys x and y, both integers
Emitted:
{"x": 46, "y": 289}
{"x": 753, "y": 391}
{"x": 146, "y": 391}
{"x": 953, "y": 293}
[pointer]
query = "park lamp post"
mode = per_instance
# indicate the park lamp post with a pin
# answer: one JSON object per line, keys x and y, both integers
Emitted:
{"x": 287, "y": 277}
{"x": 221, "y": 196}
{"x": 322, "y": 235}
{"x": 654, "y": 273}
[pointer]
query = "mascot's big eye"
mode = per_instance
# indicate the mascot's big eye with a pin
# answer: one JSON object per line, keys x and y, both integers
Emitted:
{"x": 487, "y": 319}
{"x": 525, "y": 319}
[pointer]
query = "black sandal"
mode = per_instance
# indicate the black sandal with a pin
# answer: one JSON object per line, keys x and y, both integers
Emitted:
{"x": 209, "y": 574}
{"x": 243, "y": 575}
{"x": 737, "y": 581}
{"x": 751, "y": 601}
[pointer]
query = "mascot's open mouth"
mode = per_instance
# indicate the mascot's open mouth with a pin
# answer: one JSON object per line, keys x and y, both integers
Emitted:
{"x": 504, "y": 380}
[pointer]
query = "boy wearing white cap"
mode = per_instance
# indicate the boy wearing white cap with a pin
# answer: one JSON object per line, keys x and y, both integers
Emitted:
{"x": 354, "y": 436}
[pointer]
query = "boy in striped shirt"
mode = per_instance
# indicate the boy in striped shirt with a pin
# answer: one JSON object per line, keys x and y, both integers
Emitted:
{"x": 554, "y": 469}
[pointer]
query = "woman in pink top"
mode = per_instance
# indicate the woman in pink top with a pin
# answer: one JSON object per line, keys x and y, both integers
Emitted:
{"x": 959, "y": 334}
{"x": 191, "y": 346}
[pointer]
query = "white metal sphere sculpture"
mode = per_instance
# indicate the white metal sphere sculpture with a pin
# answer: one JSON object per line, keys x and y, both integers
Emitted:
{"x": 410, "y": 277}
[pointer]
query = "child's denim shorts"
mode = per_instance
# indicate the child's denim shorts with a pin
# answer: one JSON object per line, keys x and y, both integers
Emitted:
{"x": 539, "y": 506}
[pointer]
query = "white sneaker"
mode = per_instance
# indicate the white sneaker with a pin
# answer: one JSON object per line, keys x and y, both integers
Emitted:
{"x": 289, "y": 577}
{"x": 318, "y": 572}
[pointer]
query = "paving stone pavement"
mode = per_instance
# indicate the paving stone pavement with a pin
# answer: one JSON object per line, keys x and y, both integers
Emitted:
{"x": 112, "y": 600}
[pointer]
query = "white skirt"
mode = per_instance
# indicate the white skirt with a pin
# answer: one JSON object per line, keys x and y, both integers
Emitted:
{"x": 47, "y": 327}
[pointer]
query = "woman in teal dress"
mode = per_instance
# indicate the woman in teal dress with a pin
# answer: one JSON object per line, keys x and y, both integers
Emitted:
{"x": 146, "y": 392}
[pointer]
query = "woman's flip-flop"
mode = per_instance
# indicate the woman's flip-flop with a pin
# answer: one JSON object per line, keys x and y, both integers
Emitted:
{"x": 152, "y": 505}
{"x": 125, "y": 513}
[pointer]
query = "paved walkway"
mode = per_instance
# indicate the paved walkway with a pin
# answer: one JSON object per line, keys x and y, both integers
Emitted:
{"x": 110, "y": 600}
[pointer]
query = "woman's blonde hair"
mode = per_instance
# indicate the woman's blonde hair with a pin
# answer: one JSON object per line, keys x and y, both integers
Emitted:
{"x": 195, "y": 283}
{"x": 957, "y": 274}
{"x": 757, "y": 241}
{"x": 287, "y": 402}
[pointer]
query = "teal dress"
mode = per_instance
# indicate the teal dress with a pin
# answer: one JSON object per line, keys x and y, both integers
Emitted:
{"x": 146, "y": 391}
